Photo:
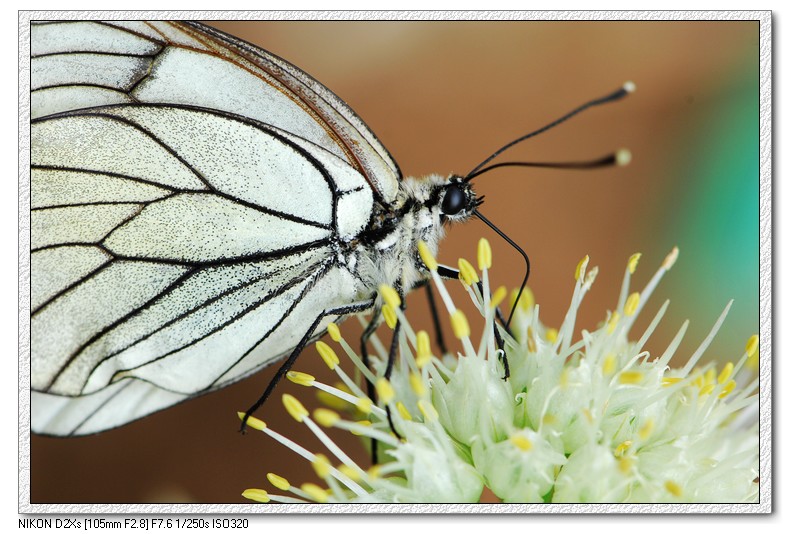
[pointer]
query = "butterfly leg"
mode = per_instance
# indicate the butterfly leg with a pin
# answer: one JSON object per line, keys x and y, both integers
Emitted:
{"x": 286, "y": 366}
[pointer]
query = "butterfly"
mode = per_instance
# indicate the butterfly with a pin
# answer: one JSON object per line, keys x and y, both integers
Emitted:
{"x": 200, "y": 209}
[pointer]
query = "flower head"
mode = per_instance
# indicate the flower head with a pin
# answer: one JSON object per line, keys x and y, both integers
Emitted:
{"x": 552, "y": 416}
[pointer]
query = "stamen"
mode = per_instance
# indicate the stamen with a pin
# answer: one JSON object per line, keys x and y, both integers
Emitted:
{"x": 302, "y": 379}
{"x": 252, "y": 422}
{"x": 726, "y": 373}
{"x": 278, "y": 482}
{"x": 647, "y": 429}
{"x": 423, "y": 349}
{"x": 460, "y": 324}
{"x": 404, "y": 413}
{"x": 334, "y": 332}
{"x": 390, "y": 317}
{"x": 633, "y": 261}
{"x": 325, "y": 417}
{"x": 427, "y": 256}
{"x": 295, "y": 408}
{"x": 671, "y": 258}
{"x": 498, "y": 296}
{"x": 384, "y": 390}
{"x": 752, "y": 346}
{"x": 390, "y": 296}
{"x": 484, "y": 255}
{"x": 427, "y": 410}
{"x": 631, "y": 377}
{"x": 631, "y": 304}
{"x": 673, "y": 488}
{"x": 255, "y": 494}
{"x": 467, "y": 273}
{"x": 522, "y": 442}
{"x": 581, "y": 266}
{"x": 327, "y": 354}
{"x": 417, "y": 385}
{"x": 321, "y": 465}
{"x": 315, "y": 492}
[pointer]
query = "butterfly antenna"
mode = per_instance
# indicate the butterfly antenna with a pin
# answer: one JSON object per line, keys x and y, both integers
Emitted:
{"x": 628, "y": 87}
{"x": 622, "y": 157}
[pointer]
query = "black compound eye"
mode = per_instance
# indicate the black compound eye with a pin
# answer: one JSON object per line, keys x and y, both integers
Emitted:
{"x": 454, "y": 200}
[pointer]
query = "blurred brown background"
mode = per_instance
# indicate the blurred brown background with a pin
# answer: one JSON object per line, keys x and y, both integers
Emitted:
{"x": 442, "y": 96}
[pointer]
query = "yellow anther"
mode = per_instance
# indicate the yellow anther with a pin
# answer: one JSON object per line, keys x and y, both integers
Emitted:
{"x": 315, "y": 492}
{"x": 295, "y": 408}
{"x": 752, "y": 346}
{"x": 671, "y": 258}
{"x": 609, "y": 364}
{"x": 633, "y": 261}
{"x": 255, "y": 494}
{"x": 364, "y": 423}
{"x": 725, "y": 373}
{"x": 321, "y": 465}
{"x": 581, "y": 266}
{"x": 727, "y": 389}
{"x": 365, "y": 405}
{"x": 631, "y": 377}
{"x": 404, "y": 413}
{"x": 498, "y": 296}
{"x": 334, "y": 332}
{"x": 612, "y": 324}
{"x": 549, "y": 420}
{"x": 416, "y": 383}
{"x": 423, "y": 349}
{"x": 669, "y": 380}
{"x": 390, "y": 296}
{"x": 467, "y": 273}
{"x": 390, "y": 317}
{"x": 327, "y": 354}
{"x": 707, "y": 389}
{"x": 520, "y": 441}
{"x": 625, "y": 464}
{"x": 252, "y": 422}
{"x": 551, "y": 335}
{"x": 460, "y": 324}
{"x": 565, "y": 378}
{"x": 525, "y": 302}
{"x": 631, "y": 304}
{"x": 710, "y": 376}
{"x": 429, "y": 413}
{"x": 624, "y": 446}
{"x": 350, "y": 472}
{"x": 326, "y": 418}
{"x": 673, "y": 488}
{"x": 647, "y": 429}
{"x": 303, "y": 379}
{"x": 327, "y": 399}
{"x": 278, "y": 482}
{"x": 484, "y": 255}
{"x": 374, "y": 471}
{"x": 532, "y": 345}
{"x": 384, "y": 390}
{"x": 427, "y": 256}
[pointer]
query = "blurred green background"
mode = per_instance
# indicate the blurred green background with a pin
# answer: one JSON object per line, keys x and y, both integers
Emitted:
{"x": 442, "y": 96}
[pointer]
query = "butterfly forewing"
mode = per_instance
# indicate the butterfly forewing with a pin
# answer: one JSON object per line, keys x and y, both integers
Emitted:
{"x": 189, "y": 195}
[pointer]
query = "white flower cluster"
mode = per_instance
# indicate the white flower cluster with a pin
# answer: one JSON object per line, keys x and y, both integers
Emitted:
{"x": 593, "y": 420}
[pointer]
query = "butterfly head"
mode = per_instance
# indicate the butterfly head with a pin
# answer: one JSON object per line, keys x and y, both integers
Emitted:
{"x": 456, "y": 199}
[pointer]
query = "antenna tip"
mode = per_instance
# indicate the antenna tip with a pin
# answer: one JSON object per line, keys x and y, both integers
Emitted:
{"x": 622, "y": 157}
{"x": 629, "y": 86}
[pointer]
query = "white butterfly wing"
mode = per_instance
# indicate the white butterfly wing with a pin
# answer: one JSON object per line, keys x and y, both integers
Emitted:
{"x": 181, "y": 240}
